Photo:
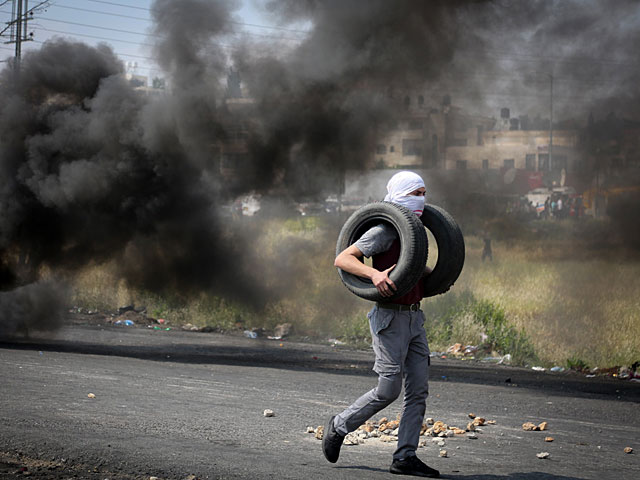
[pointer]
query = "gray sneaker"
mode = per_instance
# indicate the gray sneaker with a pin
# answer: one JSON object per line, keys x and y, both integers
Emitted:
{"x": 331, "y": 442}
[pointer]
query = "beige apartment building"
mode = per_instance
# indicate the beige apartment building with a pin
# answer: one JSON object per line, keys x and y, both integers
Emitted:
{"x": 449, "y": 138}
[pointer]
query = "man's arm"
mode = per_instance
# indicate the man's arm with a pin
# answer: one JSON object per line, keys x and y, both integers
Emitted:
{"x": 349, "y": 261}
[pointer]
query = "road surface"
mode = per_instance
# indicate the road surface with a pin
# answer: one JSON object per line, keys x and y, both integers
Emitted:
{"x": 178, "y": 405}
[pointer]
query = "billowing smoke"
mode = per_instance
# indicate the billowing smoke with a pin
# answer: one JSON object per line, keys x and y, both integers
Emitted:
{"x": 38, "y": 306}
{"x": 94, "y": 171}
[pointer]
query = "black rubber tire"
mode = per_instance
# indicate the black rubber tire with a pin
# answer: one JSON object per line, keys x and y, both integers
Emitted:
{"x": 451, "y": 250}
{"x": 413, "y": 248}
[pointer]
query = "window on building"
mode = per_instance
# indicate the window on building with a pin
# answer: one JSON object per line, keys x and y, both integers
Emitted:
{"x": 415, "y": 124}
{"x": 392, "y": 149}
{"x": 530, "y": 161}
{"x": 509, "y": 163}
{"x": 558, "y": 162}
{"x": 485, "y": 164}
{"x": 381, "y": 149}
{"x": 543, "y": 162}
{"x": 458, "y": 142}
{"x": 411, "y": 146}
{"x": 461, "y": 164}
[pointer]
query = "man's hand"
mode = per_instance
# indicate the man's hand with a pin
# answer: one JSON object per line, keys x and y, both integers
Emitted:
{"x": 383, "y": 283}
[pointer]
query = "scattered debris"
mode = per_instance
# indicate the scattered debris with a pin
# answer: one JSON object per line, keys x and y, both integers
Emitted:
{"x": 504, "y": 359}
{"x": 548, "y": 439}
{"x": 250, "y": 334}
{"x": 530, "y": 426}
{"x": 352, "y": 439}
{"x": 188, "y": 327}
{"x": 472, "y": 415}
{"x": 542, "y": 455}
{"x": 311, "y": 430}
{"x": 443, "y": 453}
{"x": 387, "y": 438}
{"x": 628, "y": 450}
{"x": 556, "y": 369}
{"x": 319, "y": 432}
{"x": 430, "y": 421}
{"x": 538, "y": 369}
{"x": 126, "y": 323}
{"x": 268, "y": 413}
{"x": 282, "y": 330}
{"x": 91, "y": 395}
{"x": 472, "y": 436}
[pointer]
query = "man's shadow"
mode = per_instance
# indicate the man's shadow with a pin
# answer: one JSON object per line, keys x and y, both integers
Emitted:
{"x": 453, "y": 476}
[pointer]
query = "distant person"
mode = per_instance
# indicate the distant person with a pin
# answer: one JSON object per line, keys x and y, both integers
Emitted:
{"x": 547, "y": 207}
{"x": 486, "y": 251}
{"x": 399, "y": 339}
{"x": 559, "y": 207}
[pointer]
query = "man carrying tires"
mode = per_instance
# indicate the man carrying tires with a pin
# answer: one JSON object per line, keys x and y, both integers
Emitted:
{"x": 399, "y": 339}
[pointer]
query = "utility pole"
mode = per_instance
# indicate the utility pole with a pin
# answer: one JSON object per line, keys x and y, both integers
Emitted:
{"x": 550, "y": 121}
{"x": 20, "y": 15}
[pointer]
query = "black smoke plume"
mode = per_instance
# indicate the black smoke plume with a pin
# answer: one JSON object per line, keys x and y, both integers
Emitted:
{"x": 93, "y": 171}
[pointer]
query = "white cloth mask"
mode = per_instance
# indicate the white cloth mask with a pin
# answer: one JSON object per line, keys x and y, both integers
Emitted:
{"x": 398, "y": 188}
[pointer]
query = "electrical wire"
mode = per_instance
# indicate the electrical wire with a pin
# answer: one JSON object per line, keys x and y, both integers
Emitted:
{"x": 272, "y": 27}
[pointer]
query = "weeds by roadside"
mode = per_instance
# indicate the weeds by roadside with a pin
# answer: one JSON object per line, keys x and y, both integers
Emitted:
{"x": 538, "y": 300}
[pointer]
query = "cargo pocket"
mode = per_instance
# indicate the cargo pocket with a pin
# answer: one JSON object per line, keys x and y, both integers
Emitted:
{"x": 379, "y": 319}
{"x": 384, "y": 342}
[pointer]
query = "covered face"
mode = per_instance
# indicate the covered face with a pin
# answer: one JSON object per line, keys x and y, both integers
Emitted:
{"x": 399, "y": 188}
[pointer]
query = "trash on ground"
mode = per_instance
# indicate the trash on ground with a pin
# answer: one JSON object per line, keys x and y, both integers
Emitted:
{"x": 472, "y": 436}
{"x": 319, "y": 432}
{"x": 443, "y": 453}
{"x": 628, "y": 450}
{"x": 250, "y": 334}
{"x": 542, "y": 455}
{"x": 126, "y": 323}
{"x": 472, "y": 415}
{"x": 548, "y": 439}
{"x": 556, "y": 369}
{"x": 506, "y": 359}
{"x": 91, "y": 395}
{"x": 529, "y": 426}
{"x": 311, "y": 430}
{"x": 268, "y": 413}
{"x": 538, "y": 369}
{"x": 188, "y": 327}
{"x": 335, "y": 342}
{"x": 543, "y": 426}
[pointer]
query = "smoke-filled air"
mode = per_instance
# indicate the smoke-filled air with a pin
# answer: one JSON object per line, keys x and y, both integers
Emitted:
{"x": 215, "y": 198}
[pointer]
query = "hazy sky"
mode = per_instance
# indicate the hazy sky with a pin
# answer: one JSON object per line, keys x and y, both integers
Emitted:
{"x": 123, "y": 24}
{"x": 501, "y": 53}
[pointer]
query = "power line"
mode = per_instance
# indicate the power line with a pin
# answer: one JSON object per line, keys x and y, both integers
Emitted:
{"x": 149, "y": 20}
{"x": 95, "y": 37}
{"x": 273, "y": 27}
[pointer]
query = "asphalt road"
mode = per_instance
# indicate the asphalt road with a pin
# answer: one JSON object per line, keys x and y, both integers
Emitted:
{"x": 173, "y": 404}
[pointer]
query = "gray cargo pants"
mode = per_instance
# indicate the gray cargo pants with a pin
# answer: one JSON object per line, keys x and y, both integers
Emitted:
{"x": 401, "y": 348}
